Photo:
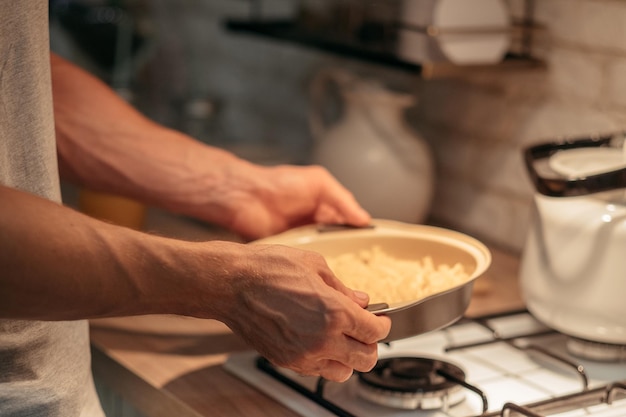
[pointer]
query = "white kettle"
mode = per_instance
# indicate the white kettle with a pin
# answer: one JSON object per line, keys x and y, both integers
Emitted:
{"x": 573, "y": 267}
{"x": 371, "y": 150}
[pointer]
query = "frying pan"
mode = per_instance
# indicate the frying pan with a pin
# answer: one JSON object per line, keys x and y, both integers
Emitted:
{"x": 403, "y": 241}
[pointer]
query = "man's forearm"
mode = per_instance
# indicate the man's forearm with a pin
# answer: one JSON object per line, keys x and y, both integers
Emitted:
{"x": 106, "y": 145}
{"x": 57, "y": 264}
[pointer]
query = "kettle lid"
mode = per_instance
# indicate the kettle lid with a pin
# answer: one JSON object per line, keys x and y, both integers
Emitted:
{"x": 583, "y": 162}
{"x": 578, "y": 167}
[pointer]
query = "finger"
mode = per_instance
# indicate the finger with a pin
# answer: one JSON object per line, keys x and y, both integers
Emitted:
{"x": 366, "y": 327}
{"x": 342, "y": 212}
{"x": 355, "y": 353}
{"x": 359, "y": 356}
{"x": 332, "y": 281}
{"x": 335, "y": 371}
{"x": 361, "y": 298}
{"x": 369, "y": 328}
{"x": 338, "y": 205}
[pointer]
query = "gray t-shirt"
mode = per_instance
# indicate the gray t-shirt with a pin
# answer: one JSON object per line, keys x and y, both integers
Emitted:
{"x": 44, "y": 366}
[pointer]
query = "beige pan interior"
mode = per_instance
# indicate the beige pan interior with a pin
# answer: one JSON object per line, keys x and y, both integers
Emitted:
{"x": 401, "y": 241}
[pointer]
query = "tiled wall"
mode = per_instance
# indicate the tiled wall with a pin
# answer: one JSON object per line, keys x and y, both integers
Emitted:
{"x": 477, "y": 124}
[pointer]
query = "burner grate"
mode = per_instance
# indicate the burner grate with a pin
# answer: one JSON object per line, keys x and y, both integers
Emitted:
{"x": 523, "y": 368}
{"x": 317, "y": 395}
{"x": 597, "y": 351}
{"x": 588, "y": 398}
{"x": 413, "y": 383}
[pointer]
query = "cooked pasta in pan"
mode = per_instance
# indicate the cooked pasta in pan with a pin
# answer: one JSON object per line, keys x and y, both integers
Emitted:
{"x": 392, "y": 280}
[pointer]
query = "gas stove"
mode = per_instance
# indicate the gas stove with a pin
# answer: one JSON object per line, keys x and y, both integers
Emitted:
{"x": 507, "y": 364}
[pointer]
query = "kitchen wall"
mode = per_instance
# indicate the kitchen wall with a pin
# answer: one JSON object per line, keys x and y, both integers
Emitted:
{"x": 250, "y": 94}
{"x": 479, "y": 125}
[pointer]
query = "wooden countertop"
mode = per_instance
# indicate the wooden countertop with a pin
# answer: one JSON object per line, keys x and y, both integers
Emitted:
{"x": 171, "y": 365}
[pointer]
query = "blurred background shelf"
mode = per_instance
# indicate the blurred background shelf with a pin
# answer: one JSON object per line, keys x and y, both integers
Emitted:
{"x": 292, "y": 32}
{"x": 351, "y": 30}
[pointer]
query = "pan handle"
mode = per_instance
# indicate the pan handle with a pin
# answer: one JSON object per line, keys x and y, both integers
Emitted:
{"x": 377, "y": 307}
{"x": 325, "y": 228}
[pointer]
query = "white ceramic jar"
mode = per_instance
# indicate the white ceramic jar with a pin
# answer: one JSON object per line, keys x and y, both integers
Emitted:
{"x": 372, "y": 151}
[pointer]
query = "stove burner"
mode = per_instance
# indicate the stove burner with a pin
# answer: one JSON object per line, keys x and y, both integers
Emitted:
{"x": 413, "y": 383}
{"x": 596, "y": 351}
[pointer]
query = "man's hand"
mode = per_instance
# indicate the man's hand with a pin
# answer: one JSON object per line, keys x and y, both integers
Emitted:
{"x": 297, "y": 314}
{"x": 268, "y": 200}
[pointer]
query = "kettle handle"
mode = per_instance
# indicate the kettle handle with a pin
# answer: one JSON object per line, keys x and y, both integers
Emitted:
{"x": 318, "y": 89}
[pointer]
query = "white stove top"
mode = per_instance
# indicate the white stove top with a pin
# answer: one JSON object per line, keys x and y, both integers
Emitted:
{"x": 503, "y": 370}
